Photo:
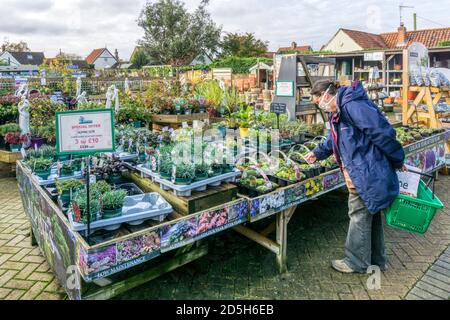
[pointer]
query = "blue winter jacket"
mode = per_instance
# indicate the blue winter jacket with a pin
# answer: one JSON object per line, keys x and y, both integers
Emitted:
{"x": 367, "y": 146}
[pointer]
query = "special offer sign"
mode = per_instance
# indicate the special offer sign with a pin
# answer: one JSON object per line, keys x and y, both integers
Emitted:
{"x": 85, "y": 132}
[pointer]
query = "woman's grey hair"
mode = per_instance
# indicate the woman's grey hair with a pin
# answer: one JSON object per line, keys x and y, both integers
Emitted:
{"x": 322, "y": 86}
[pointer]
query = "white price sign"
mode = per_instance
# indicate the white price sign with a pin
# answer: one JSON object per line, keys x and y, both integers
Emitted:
{"x": 284, "y": 89}
{"x": 85, "y": 132}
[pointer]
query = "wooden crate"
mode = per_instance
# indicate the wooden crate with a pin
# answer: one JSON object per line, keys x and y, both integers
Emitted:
{"x": 199, "y": 201}
{"x": 9, "y": 157}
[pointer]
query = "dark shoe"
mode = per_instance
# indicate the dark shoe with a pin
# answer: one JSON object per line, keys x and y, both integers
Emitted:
{"x": 342, "y": 266}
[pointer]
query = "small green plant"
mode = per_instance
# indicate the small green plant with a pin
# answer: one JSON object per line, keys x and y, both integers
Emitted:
{"x": 202, "y": 170}
{"x": 113, "y": 200}
{"x": 185, "y": 171}
{"x": 9, "y": 127}
{"x": 100, "y": 187}
{"x": 67, "y": 185}
{"x": 47, "y": 151}
{"x": 41, "y": 164}
{"x": 80, "y": 202}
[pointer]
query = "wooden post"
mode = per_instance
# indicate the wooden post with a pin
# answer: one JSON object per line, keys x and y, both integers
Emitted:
{"x": 282, "y": 241}
{"x": 405, "y": 87}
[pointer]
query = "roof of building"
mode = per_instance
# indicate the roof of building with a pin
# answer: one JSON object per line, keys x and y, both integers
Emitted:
{"x": 28, "y": 58}
{"x": 429, "y": 37}
{"x": 304, "y": 48}
{"x": 366, "y": 40}
{"x": 95, "y": 54}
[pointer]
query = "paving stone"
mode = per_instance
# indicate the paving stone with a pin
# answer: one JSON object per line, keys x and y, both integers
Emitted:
{"x": 12, "y": 265}
{"x": 433, "y": 290}
{"x": 25, "y": 272}
{"x": 8, "y": 275}
{"x": 15, "y": 294}
{"x": 4, "y": 292}
{"x": 40, "y": 276}
{"x": 34, "y": 291}
{"x": 19, "y": 284}
{"x": 49, "y": 296}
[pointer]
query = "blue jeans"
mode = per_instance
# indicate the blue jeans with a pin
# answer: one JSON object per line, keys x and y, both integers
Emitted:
{"x": 365, "y": 239}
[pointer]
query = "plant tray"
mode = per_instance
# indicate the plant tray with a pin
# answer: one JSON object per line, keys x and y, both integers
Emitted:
{"x": 186, "y": 190}
{"x": 252, "y": 192}
{"x": 123, "y": 156}
{"x": 136, "y": 210}
{"x": 54, "y": 175}
{"x": 147, "y": 172}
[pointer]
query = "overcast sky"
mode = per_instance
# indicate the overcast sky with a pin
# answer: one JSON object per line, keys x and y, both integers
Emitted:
{"x": 78, "y": 26}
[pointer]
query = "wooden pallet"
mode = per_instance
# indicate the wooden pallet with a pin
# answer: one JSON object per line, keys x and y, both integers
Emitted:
{"x": 199, "y": 201}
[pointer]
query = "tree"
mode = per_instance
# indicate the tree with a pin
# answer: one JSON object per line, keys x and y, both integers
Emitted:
{"x": 243, "y": 45}
{"x": 174, "y": 36}
{"x": 140, "y": 59}
{"x": 21, "y": 46}
{"x": 68, "y": 56}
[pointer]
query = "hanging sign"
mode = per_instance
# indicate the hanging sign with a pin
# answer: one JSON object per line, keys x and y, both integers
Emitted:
{"x": 418, "y": 56}
{"x": 284, "y": 89}
{"x": 373, "y": 56}
{"x": 85, "y": 132}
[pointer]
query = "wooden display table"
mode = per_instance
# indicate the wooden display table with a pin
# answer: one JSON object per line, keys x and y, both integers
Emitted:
{"x": 8, "y": 163}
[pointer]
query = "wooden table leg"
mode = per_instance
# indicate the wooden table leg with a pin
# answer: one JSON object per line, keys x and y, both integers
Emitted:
{"x": 282, "y": 241}
{"x": 32, "y": 238}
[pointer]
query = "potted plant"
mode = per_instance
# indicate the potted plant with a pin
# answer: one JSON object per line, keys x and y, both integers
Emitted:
{"x": 201, "y": 172}
{"x": 15, "y": 140}
{"x": 48, "y": 152}
{"x": 142, "y": 154}
{"x": 165, "y": 168}
{"x": 76, "y": 164}
{"x": 79, "y": 206}
{"x": 216, "y": 169}
{"x": 66, "y": 170}
{"x": 100, "y": 187}
{"x": 184, "y": 174}
{"x": 42, "y": 167}
{"x": 67, "y": 188}
{"x": 4, "y": 129}
{"x": 112, "y": 203}
{"x": 307, "y": 170}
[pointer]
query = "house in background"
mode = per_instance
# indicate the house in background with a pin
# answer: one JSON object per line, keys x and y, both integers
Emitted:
{"x": 102, "y": 59}
{"x": 358, "y": 52}
{"x": 202, "y": 59}
{"x": 295, "y": 48}
{"x": 21, "y": 63}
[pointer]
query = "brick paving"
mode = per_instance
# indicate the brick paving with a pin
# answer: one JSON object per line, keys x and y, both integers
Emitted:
{"x": 237, "y": 268}
{"x": 24, "y": 274}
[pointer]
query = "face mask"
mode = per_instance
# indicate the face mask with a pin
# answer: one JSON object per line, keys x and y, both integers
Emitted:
{"x": 326, "y": 106}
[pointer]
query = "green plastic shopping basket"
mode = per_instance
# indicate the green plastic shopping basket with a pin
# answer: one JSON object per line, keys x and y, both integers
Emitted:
{"x": 414, "y": 214}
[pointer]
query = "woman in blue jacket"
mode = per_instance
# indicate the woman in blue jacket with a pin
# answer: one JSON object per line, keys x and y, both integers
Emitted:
{"x": 365, "y": 146}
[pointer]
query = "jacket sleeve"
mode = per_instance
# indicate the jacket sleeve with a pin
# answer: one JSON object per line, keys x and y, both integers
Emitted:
{"x": 324, "y": 150}
{"x": 378, "y": 129}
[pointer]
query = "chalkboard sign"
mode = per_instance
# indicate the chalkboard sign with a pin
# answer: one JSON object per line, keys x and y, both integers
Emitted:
{"x": 278, "y": 108}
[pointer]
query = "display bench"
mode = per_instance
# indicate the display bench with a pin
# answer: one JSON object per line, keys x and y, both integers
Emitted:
{"x": 115, "y": 262}
{"x": 428, "y": 155}
{"x": 124, "y": 259}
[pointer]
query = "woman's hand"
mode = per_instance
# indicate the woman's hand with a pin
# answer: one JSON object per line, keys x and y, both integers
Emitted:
{"x": 311, "y": 158}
